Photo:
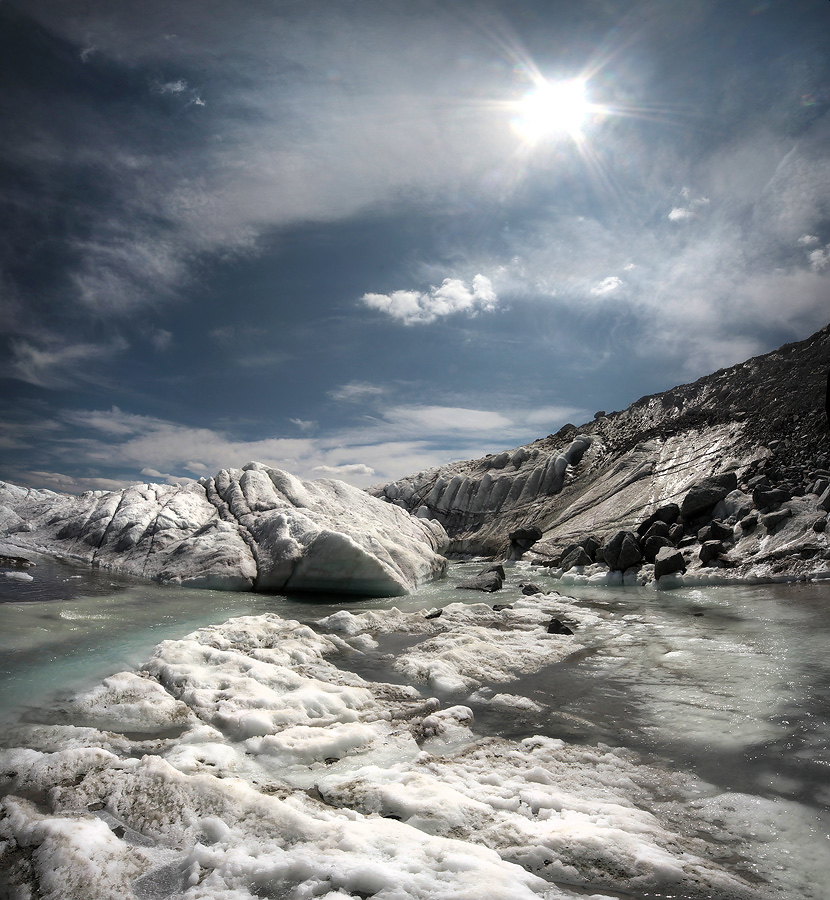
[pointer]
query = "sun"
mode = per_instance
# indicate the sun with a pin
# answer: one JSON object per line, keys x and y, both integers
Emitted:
{"x": 553, "y": 108}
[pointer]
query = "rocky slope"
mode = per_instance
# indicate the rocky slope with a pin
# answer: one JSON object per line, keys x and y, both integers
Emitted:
{"x": 253, "y": 528}
{"x": 761, "y": 424}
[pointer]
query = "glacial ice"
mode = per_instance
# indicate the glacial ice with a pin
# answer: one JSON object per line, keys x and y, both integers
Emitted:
{"x": 243, "y": 762}
{"x": 251, "y": 528}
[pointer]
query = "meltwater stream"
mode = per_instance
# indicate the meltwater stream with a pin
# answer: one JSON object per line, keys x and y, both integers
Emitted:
{"x": 730, "y": 684}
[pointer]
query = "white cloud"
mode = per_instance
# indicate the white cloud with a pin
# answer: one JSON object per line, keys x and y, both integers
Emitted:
{"x": 689, "y": 211}
{"x": 304, "y": 424}
{"x": 820, "y": 258}
{"x": 607, "y": 286}
{"x": 453, "y": 296}
{"x": 356, "y": 391}
{"x": 447, "y": 419}
{"x": 679, "y": 213}
{"x": 348, "y": 470}
{"x": 808, "y": 240}
{"x": 172, "y": 87}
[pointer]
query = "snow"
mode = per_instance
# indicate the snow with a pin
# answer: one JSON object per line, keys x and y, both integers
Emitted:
{"x": 250, "y": 528}
{"x": 242, "y": 761}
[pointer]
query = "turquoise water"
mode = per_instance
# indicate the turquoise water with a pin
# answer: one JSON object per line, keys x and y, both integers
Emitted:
{"x": 730, "y": 682}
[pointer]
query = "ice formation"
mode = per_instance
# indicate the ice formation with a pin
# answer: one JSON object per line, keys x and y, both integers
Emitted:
{"x": 251, "y": 528}
{"x": 246, "y": 760}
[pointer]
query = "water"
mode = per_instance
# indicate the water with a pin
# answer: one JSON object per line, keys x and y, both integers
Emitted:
{"x": 70, "y": 626}
{"x": 731, "y": 684}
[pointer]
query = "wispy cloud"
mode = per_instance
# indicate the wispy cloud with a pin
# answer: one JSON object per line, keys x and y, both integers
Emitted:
{"x": 422, "y": 308}
{"x": 400, "y": 440}
{"x": 53, "y": 363}
{"x": 607, "y": 286}
{"x": 356, "y": 391}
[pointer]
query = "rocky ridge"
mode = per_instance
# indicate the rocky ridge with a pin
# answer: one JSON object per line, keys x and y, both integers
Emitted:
{"x": 758, "y": 431}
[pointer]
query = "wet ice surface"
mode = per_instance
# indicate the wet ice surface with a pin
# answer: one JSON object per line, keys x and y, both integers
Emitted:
{"x": 674, "y": 746}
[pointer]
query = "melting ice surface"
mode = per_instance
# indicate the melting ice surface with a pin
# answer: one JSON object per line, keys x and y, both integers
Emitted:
{"x": 675, "y": 746}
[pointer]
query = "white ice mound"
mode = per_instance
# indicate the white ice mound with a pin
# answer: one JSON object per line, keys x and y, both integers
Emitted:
{"x": 253, "y": 528}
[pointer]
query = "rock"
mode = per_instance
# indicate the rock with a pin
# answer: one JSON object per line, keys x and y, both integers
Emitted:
{"x": 716, "y": 531}
{"x": 656, "y": 529}
{"x": 819, "y": 486}
{"x": 522, "y": 539}
{"x": 824, "y": 500}
{"x": 254, "y": 528}
{"x": 710, "y": 551}
{"x": 676, "y": 533}
{"x": 749, "y": 523}
{"x": 772, "y": 520}
{"x": 706, "y": 493}
{"x": 653, "y": 544}
{"x": 621, "y": 551}
{"x": 590, "y": 545}
{"x": 668, "y": 514}
{"x": 433, "y": 614}
{"x": 488, "y": 580}
{"x": 668, "y": 561}
{"x": 735, "y": 505}
{"x": 766, "y": 498}
{"x": 630, "y": 554}
{"x": 498, "y": 607}
{"x": 577, "y": 557}
{"x": 529, "y": 588}
{"x": 557, "y": 627}
{"x": 820, "y": 524}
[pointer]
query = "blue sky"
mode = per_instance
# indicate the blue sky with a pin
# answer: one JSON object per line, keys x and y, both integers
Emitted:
{"x": 338, "y": 238}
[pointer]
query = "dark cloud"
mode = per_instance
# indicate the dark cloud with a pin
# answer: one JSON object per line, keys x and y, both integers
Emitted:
{"x": 208, "y": 210}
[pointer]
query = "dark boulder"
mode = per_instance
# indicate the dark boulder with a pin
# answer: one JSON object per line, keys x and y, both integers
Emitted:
{"x": 557, "y": 627}
{"x": 766, "y": 498}
{"x": 529, "y": 588}
{"x": 488, "y": 580}
{"x": 498, "y": 607}
{"x": 706, "y": 493}
{"x": 676, "y": 533}
{"x": 819, "y": 486}
{"x": 669, "y": 513}
{"x": 622, "y": 551}
{"x": 749, "y": 523}
{"x": 710, "y": 552}
{"x": 590, "y": 545}
{"x": 657, "y": 529}
{"x": 824, "y": 500}
{"x": 577, "y": 557}
{"x": 772, "y": 520}
{"x": 523, "y": 539}
{"x": 668, "y": 561}
{"x": 653, "y": 544}
{"x": 716, "y": 531}
{"x": 820, "y": 524}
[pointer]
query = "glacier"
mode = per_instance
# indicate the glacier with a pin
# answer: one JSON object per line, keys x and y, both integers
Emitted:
{"x": 254, "y": 528}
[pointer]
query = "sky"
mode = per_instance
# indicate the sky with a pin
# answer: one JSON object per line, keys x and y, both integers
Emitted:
{"x": 360, "y": 238}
